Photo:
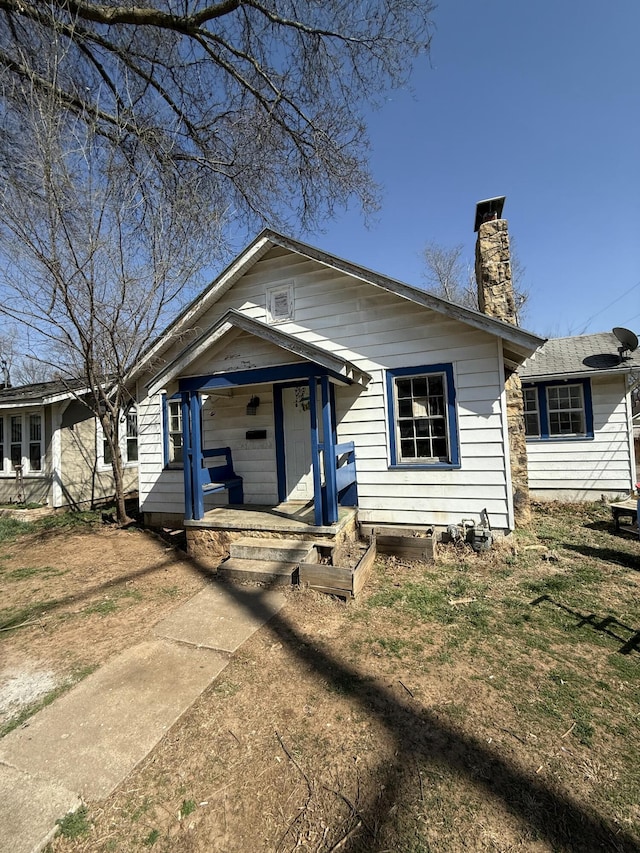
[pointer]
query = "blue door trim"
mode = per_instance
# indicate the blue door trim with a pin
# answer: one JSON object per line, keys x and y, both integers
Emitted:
{"x": 196, "y": 456}
{"x": 278, "y": 419}
{"x": 187, "y": 454}
{"x": 316, "y": 448}
{"x": 331, "y": 493}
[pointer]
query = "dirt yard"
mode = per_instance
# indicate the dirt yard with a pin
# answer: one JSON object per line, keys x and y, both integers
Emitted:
{"x": 488, "y": 702}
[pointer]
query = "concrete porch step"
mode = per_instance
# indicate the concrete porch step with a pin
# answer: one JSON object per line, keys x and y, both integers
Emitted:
{"x": 274, "y": 550}
{"x": 268, "y": 572}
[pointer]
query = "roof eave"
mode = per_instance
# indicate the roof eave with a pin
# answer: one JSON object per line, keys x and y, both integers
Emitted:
{"x": 576, "y": 374}
{"x": 236, "y": 320}
{"x": 525, "y": 343}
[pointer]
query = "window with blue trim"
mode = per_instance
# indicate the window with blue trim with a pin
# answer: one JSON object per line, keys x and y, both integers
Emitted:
{"x": 558, "y": 410}
{"x": 422, "y": 416}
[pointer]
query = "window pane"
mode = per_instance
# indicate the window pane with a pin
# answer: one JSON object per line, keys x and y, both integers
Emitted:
{"x": 566, "y": 410}
{"x": 423, "y": 449}
{"x": 106, "y": 453}
{"x": 436, "y": 385}
{"x": 438, "y": 427}
{"x": 403, "y": 387}
{"x": 132, "y": 435}
{"x": 405, "y": 408}
{"x": 440, "y": 448}
{"x": 577, "y": 422}
{"x": 407, "y": 449}
{"x": 420, "y": 387}
{"x": 16, "y": 429}
{"x": 436, "y": 406}
{"x": 35, "y": 428}
{"x": 16, "y": 454}
{"x": 35, "y": 457}
{"x": 175, "y": 432}
{"x": 531, "y": 424}
{"x": 421, "y": 412}
{"x": 406, "y": 428}
{"x": 132, "y": 424}
{"x": 177, "y": 455}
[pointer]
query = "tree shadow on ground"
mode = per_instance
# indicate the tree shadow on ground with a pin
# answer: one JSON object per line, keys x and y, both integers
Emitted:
{"x": 423, "y": 739}
{"x": 40, "y": 608}
{"x": 609, "y": 555}
{"x": 608, "y": 625}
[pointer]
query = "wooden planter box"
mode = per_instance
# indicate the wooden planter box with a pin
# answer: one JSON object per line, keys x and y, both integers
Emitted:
{"x": 336, "y": 580}
{"x": 410, "y": 547}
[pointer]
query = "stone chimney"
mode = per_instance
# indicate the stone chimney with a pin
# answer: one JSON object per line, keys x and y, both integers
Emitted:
{"x": 496, "y": 299}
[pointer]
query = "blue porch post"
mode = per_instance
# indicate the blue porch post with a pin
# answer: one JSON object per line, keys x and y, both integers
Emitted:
{"x": 315, "y": 452}
{"x": 329, "y": 454}
{"x": 196, "y": 456}
{"x": 186, "y": 455}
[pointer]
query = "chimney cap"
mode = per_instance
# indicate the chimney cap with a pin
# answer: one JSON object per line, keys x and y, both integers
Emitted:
{"x": 490, "y": 208}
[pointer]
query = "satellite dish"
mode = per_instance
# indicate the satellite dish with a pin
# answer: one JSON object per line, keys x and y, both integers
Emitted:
{"x": 628, "y": 340}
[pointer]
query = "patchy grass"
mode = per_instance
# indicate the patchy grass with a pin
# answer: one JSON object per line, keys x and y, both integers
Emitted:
{"x": 13, "y": 617}
{"x": 75, "y": 824}
{"x": 485, "y": 703}
{"x": 29, "y": 572}
{"x": 33, "y": 707}
{"x": 11, "y": 528}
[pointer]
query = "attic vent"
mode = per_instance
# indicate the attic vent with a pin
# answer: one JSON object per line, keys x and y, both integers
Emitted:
{"x": 280, "y": 304}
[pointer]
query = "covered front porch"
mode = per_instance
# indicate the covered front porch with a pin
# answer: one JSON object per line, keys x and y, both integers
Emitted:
{"x": 307, "y": 475}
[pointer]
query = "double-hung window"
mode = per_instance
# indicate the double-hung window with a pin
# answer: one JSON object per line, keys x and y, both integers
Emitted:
{"x": 173, "y": 426}
{"x": 422, "y": 416}
{"x": 127, "y": 438}
{"x": 558, "y": 410}
{"x": 21, "y": 443}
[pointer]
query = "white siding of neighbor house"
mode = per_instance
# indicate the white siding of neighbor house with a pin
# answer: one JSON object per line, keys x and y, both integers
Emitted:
{"x": 376, "y": 331}
{"x": 578, "y": 470}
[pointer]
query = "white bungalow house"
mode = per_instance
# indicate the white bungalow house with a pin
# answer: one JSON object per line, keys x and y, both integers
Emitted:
{"x": 52, "y": 451}
{"x": 578, "y": 418}
{"x": 329, "y": 384}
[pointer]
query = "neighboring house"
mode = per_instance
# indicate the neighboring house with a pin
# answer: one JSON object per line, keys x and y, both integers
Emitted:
{"x": 52, "y": 449}
{"x": 291, "y": 355}
{"x": 578, "y": 418}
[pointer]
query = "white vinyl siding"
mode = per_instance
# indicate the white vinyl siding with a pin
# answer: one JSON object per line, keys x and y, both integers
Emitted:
{"x": 377, "y": 331}
{"x": 584, "y": 470}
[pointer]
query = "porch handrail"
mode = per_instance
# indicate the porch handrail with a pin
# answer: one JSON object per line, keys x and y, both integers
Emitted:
{"x": 345, "y": 461}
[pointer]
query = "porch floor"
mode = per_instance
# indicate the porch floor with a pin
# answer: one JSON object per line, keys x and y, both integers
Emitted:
{"x": 285, "y": 518}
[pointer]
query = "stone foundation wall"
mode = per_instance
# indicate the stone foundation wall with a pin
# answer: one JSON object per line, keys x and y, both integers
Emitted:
{"x": 214, "y": 543}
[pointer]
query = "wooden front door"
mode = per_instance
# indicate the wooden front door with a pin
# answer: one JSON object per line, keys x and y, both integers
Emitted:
{"x": 297, "y": 443}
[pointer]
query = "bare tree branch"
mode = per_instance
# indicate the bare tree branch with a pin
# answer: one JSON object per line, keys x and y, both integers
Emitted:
{"x": 449, "y": 276}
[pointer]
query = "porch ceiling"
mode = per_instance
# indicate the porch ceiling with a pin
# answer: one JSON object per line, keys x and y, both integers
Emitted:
{"x": 340, "y": 368}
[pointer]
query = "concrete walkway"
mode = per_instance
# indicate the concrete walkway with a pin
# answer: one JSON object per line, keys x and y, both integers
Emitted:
{"x": 84, "y": 744}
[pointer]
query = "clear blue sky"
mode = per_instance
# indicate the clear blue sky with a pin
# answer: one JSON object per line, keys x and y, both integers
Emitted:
{"x": 535, "y": 101}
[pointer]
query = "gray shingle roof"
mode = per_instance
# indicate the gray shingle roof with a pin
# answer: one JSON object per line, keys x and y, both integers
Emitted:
{"x": 580, "y": 354}
{"x": 38, "y": 391}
